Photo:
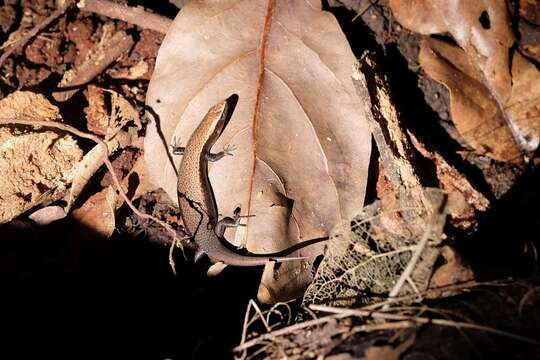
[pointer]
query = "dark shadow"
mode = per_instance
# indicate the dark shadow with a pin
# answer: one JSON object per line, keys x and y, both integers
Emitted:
{"x": 373, "y": 171}
{"x": 70, "y": 293}
{"x": 151, "y": 115}
{"x": 164, "y": 8}
{"x": 508, "y": 237}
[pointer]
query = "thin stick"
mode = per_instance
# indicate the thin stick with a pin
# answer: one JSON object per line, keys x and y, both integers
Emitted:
{"x": 455, "y": 287}
{"x": 420, "y": 320}
{"x": 99, "y": 141}
{"x": 412, "y": 263}
{"x": 247, "y": 320}
{"x": 287, "y": 330}
{"x": 42, "y": 25}
{"x": 137, "y": 16}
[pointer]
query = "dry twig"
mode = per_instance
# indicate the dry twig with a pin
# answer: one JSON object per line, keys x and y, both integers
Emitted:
{"x": 137, "y": 16}
{"x": 343, "y": 312}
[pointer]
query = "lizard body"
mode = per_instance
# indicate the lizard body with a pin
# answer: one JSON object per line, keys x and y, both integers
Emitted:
{"x": 196, "y": 197}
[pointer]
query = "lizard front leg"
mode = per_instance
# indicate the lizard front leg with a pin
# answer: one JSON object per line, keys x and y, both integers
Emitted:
{"x": 176, "y": 149}
{"x": 227, "y": 151}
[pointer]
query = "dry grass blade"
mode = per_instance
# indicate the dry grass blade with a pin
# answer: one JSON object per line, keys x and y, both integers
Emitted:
{"x": 270, "y": 342}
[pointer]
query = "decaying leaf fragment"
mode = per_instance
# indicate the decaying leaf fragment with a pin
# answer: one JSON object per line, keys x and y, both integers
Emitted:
{"x": 529, "y": 28}
{"x": 366, "y": 256}
{"x": 37, "y": 165}
{"x": 475, "y": 112}
{"x": 104, "y": 122}
{"x": 302, "y": 141}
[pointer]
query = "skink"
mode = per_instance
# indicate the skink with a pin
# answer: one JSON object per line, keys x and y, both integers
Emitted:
{"x": 196, "y": 197}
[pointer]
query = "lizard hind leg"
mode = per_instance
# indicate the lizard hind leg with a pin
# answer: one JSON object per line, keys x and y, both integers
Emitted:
{"x": 228, "y": 222}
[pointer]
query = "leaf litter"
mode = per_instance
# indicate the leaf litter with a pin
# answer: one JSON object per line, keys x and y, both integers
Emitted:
{"x": 377, "y": 266}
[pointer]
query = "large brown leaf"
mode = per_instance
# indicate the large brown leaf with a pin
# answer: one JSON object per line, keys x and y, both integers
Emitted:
{"x": 302, "y": 141}
{"x": 480, "y": 27}
{"x": 475, "y": 112}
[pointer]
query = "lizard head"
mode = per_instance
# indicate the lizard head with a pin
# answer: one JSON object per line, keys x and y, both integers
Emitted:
{"x": 220, "y": 114}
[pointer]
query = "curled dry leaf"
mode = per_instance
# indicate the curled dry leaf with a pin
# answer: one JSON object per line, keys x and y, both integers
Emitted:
{"x": 97, "y": 118}
{"x": 97, "y": 213}
{"x": 47, "y": 215}
{"x": 475, "y": 112}
{"x": 108, "y": 123}
{"x": 451, "y": 180}
{"x": 480, "y": 27}
{"x": 104, "y": 123}
{"x": 36, "y": 165}
{"x": 302, "y": 141}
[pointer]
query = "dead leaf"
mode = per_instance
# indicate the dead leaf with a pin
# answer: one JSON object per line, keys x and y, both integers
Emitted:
{"x": 97, "y": 118}
{"x": 28, "y": 105}
{"x": 97, "y": 213}
{"x": 303, "y": 144}
{"x": 36, "y": 165}
{"x": 108, "y": 123}
{"x": 47, "y": 215}
{"x": 475, "y": 113}
{"x": 122, "y": 112}
{"x": 523, "y": 107}
{"x": 367, "y": 254}
{"x": 481, "y": 27}
{"x": 8, "y": 16}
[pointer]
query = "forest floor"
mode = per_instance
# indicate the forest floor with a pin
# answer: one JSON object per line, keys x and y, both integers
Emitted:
{"x": 68, "y": 292}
